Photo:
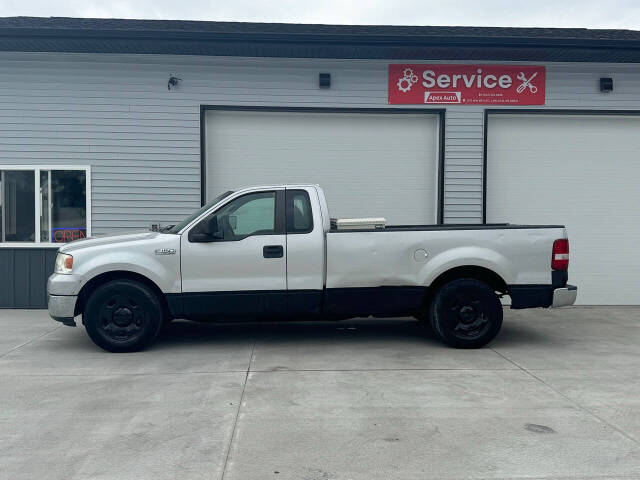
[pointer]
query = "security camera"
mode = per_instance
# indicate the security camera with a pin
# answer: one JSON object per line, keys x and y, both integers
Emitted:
{"x": 173, "y": 82}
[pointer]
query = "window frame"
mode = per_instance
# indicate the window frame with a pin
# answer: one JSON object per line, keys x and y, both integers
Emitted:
{"x": 289, "y": 210}
{"x": 37, "y": 169}
{"x": 280, "y": 227}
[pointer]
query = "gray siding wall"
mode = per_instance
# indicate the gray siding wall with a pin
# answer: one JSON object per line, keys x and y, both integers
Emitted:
{"x": 114, "y": 112}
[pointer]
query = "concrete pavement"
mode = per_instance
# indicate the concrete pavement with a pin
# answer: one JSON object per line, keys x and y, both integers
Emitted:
{"x": 556, "y": 395}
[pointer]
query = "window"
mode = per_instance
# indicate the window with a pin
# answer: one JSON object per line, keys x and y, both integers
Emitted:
{"x": 299, "y": 213}
{"x": 18, "y": 206}
{"x": 251, "y": 214}
{"x": 43, "y": 204}
{"x": 179, "y": 226}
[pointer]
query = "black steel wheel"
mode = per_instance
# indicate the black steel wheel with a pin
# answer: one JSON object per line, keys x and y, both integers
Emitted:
{"x": 466, "y": 313}
{"x": 123, "y": 316}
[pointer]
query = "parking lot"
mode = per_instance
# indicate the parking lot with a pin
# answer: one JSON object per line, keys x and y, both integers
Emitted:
{"x": 557, "y": 395}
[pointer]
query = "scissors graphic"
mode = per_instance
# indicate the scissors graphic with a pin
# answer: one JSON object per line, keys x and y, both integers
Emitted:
{"x": 526, "y": 82}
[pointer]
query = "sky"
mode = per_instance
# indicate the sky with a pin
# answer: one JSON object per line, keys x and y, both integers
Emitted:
{"x": 514, "y": 13}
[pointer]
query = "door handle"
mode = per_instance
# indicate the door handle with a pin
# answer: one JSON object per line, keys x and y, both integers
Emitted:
{"x": 273, "y": 251}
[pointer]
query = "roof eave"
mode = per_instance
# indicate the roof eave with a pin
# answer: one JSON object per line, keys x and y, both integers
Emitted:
{"x": 324, "y": 39}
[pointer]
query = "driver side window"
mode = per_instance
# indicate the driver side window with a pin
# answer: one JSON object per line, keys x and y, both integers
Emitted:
{"x": 251, "y": 214}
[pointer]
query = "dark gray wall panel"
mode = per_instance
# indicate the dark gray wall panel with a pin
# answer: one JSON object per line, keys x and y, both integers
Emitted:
{"x": 7, "y": 286}
{"x": 37, "y": 290}
{"x": 23, "y": 276}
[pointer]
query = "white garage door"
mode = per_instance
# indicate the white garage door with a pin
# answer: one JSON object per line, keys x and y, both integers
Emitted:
{"x": 369, "y": 164}
{"x": 581, "y": 171}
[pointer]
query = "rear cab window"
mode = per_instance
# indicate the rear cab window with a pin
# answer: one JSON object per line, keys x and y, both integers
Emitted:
{"x": 298, "y": 211}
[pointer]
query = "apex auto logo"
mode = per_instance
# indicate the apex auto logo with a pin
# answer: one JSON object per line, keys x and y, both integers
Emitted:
{"x": 467, "y": 84}
{"x": 442, "y": 97}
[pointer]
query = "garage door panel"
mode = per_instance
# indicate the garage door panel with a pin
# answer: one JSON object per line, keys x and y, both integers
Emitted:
{"x": 580, "y": 171}
{"x": 582, "y": 133}
{"x": 369, "y": 164}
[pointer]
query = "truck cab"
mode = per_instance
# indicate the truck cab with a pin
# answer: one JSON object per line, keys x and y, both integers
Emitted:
{"x": 261, "y": 254}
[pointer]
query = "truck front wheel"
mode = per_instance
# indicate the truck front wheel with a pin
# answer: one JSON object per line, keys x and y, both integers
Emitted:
{"x": 466, "y": 313}
{"x": 123, "y": 316}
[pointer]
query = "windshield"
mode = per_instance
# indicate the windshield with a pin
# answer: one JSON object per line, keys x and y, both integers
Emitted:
{"x": 197, "y": 213}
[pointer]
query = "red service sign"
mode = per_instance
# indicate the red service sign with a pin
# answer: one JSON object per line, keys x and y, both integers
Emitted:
{"x": 416, "y": 84}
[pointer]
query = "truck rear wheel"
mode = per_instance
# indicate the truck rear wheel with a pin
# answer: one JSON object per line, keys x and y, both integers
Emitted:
{"x": 466, "y": 313}
{"x": 123, "y": 316}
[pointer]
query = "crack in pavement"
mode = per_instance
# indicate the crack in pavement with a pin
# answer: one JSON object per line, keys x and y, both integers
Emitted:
{"x": 569, "y": 399}
{"x": 235, "y": 420}
{"x": 30, "y": 341}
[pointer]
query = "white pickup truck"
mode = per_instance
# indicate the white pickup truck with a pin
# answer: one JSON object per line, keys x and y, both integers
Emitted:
{"x": 274, "y": 253}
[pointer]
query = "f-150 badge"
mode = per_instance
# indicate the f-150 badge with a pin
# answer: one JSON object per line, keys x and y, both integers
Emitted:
{"x": 165, "y": 251}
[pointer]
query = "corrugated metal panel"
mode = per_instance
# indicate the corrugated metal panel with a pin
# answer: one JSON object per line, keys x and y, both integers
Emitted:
{"x": 23, "y": 276}
{"x": 7, "y": 284}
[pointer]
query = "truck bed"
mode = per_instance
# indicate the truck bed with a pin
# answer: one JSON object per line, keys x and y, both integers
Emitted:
{"x": 414, "y": 255}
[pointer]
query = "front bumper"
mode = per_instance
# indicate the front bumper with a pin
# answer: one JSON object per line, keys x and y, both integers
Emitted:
{"x": 563, "y": 297}
{"x": 62, "y": 308}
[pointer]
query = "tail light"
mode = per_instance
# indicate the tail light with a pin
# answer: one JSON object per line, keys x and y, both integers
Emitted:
{"x": 560, "y": 254}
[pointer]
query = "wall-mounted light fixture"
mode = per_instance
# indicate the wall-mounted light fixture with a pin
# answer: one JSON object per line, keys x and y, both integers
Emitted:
{"x": 606, "y": 84}
{"x": 324, "y": 80}
{"x": 173, "y": 82}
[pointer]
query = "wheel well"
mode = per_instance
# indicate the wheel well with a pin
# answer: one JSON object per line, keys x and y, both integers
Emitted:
{"x": 103, "y": 278}
{"x": 490, "y": 277}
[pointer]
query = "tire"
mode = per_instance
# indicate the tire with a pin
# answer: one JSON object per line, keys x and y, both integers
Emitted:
{"x": 123, "y": 316}
{"x": 466, "y": 313}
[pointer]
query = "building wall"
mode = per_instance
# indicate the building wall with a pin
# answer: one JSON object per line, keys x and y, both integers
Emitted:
{"x": 23, "y": 276}
{"x": 115, "y": 113}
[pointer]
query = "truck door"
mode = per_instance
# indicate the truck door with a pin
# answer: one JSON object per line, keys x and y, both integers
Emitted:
{"x": 234, "y": 260}
{"x": 305, "y": 252}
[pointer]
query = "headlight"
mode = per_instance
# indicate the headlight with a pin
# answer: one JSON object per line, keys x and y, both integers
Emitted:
{"x": 64, "y": 263}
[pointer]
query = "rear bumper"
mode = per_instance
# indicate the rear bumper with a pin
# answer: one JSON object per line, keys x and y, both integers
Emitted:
{"x": 536, "y": 296}
{"x": 62, "y": 308}
{"x": 563, "y": 297}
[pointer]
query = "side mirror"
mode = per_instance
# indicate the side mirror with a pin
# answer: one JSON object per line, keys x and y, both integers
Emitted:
{"x": 210, "y": 225}
{"x": 206, "y": 232}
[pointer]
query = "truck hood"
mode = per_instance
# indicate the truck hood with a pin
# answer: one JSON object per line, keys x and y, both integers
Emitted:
{"x": 108, "y": 240}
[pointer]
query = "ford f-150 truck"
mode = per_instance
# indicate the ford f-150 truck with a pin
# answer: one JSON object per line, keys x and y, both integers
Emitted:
{"x": 274, "y": 253}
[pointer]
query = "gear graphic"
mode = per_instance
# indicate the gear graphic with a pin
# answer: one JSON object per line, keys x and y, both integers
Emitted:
{"x": 404, "y": 84}
{"x": 407, "y": 80}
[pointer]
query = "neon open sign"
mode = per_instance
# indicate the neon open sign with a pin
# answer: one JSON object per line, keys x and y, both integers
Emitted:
{"x": 67, "y": 234}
